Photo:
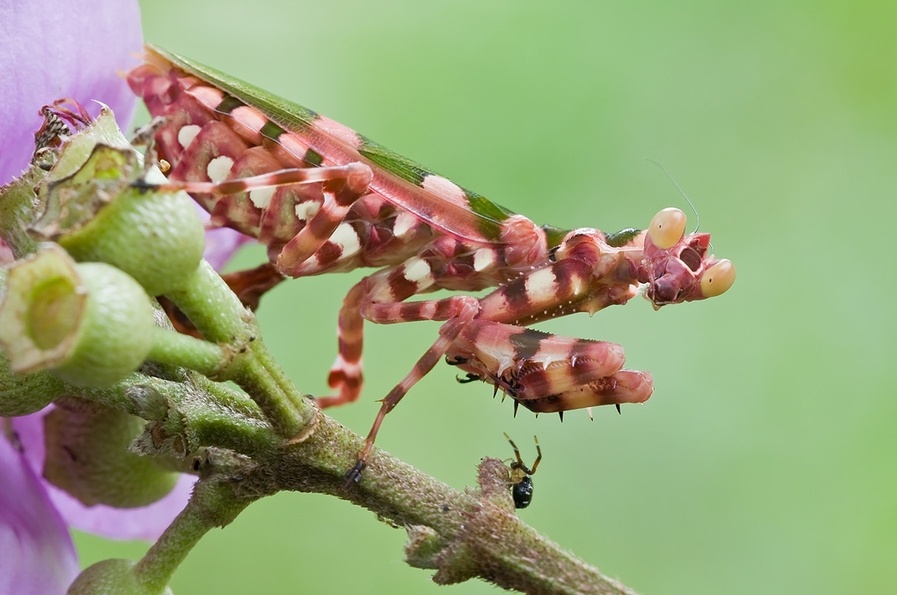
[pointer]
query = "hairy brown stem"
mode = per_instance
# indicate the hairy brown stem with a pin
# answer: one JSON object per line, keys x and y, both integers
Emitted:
{"x": 460, "y": 534}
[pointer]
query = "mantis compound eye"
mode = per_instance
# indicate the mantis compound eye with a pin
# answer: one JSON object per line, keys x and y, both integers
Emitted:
{"x": 718, "y": 279}
{"x": 667, "y": 228}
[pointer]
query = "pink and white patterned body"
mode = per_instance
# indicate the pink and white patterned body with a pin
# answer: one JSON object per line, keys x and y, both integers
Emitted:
{"x": 325, "y": 199}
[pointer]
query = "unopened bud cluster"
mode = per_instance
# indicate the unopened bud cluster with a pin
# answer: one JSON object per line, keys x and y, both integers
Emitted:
{"x": 80, "y": 306}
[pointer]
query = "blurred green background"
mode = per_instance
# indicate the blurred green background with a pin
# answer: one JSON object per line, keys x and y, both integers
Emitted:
{"x": 764, "y": 462}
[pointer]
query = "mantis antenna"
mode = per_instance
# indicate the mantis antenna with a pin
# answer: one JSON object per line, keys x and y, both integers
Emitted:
{"x": 681, "y": 191}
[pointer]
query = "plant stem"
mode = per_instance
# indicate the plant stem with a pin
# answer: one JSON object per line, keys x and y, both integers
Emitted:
{"x": 171, "y": 347}
{"x": 465, "y": 534}
{"x": 217, "y": 313}
{"x": 213, "y": 504}
{"x": 462, "y": 534}
{"x": 212, "y": 307}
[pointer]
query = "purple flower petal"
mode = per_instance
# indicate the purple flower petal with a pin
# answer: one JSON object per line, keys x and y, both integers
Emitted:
{"x": 36, "y": 552}
{"x": 6, "y": 255}
{"x": 145, "y": 523}
{"x": 52, "y": 51}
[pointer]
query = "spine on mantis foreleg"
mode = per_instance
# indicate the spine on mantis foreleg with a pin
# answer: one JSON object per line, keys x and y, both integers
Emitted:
{"x": 546, "y": 373}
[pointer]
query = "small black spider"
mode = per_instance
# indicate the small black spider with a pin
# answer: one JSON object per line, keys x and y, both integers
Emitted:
{"x": 521, "y": 480}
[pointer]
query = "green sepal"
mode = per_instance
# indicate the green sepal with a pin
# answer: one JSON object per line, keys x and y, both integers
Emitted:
{"x": 115, "y": 576}
{"x": 88, "y": 456}
{"x": 90, "y": 323}
{"x": 95, "y": 210}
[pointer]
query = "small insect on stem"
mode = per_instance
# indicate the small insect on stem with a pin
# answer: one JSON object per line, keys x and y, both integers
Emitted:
{"x": 521, "y": 480}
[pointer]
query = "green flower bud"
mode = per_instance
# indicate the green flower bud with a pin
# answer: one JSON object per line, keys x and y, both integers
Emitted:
{"x": 93, "y": 210}
{"x": 113, "y": 577}
{"x": 90, "y": 323}
{"x": 88, "y": 456}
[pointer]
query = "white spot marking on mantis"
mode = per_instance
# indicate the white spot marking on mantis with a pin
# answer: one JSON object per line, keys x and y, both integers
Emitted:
{"x": 307, "y": 209}
{"x": 261, "y": 197}
{"x": 404, "y": 223}
{"x": 187, "y": 133}
{"x": 417, "y": 270}
{"x": 219, "y": 168}
{"x": 541, "y": 285}
{"x": 445, "y": 189}
{"x": 340, "y": 131}
{"x": 345, "y": 237}
{"x": 483, "y": 259}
